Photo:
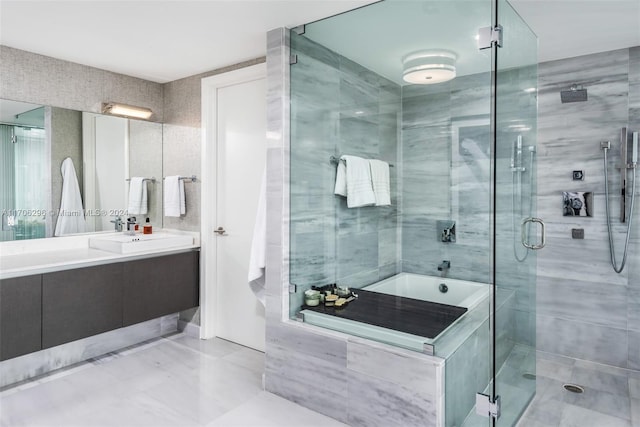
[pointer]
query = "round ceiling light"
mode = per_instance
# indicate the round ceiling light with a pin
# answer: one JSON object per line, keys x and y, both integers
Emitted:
{"x": 429, "y": 67}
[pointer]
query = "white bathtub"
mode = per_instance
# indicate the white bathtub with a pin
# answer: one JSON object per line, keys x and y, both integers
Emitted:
{"x": 460, "y": 293}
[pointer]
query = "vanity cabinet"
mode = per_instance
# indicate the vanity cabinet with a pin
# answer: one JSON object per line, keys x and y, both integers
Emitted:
{"x": 46, "y": 310}
{"x": 20, "y": 316}
{"x": 158, "y": 286}
{"x": 82, "y": 302}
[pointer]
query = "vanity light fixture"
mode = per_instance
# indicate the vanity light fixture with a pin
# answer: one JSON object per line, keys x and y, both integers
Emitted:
{"x": 124, "y": 110}
{"x": 427, "y": 67}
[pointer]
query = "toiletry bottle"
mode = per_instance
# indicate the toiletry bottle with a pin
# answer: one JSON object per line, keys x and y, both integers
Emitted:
{"x": 147, "y": 227}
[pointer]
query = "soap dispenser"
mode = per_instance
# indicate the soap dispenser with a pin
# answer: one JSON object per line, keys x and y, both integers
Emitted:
{"x": 147, "y": 229}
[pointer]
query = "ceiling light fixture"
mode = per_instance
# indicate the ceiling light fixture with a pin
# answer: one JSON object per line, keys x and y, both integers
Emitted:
{"x": 124, "y": 110}
{"x": 427, "y": 67}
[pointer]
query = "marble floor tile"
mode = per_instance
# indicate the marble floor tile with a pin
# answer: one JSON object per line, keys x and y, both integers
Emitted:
{"x": 174, "y": 381}
{"x": 601, "y": 381}
{"x": 269, "y": 410}
{"x": 634, "y": 388}
{"x": 575, "y": 416}
{"x": 635, "y": 412}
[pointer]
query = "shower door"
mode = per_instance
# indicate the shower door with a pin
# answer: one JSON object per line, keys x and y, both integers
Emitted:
{"x": 517, "y": 231}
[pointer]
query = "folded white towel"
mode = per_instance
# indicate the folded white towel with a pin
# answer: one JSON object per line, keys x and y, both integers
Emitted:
{"x": 137, "y": 196}
{"x": 174, "y": 200}
{"x": 341, "y": 180}
{"x": 258, "y": 258}
{"x": 71, "y": 216}
{"x": 358, "y": 177}
{"x": 380, "y": 180}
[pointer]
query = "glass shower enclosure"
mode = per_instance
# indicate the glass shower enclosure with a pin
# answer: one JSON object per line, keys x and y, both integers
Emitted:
{"x": 437, "y": 253}
{"x": 23, "y": 162}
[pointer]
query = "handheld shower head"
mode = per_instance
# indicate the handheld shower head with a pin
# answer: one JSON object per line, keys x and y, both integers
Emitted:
{"x": 576, "y": 93}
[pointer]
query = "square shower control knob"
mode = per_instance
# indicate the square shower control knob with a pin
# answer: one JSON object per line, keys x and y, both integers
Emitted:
{"x": 578, "y": 175}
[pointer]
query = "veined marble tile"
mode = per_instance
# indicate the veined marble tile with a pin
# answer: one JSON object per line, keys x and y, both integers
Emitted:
{"x": 309, "y": 381}
{"x": 302, "y": 339}
{"x": 41, "y": 362}
{"x": 407, "y": 368}
{"x": 634, "y": 350}
{"x": 375, "y": 402}
{"x": 583, "y": 340}
{"x": 606, "y": 305}
{"x": 269, "y": 410}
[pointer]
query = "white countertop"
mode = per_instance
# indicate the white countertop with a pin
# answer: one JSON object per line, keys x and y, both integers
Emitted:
{"x": 30, "y": 257}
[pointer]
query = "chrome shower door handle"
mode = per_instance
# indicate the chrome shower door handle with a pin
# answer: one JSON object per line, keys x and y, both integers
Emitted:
{"x": 523, "y": 234}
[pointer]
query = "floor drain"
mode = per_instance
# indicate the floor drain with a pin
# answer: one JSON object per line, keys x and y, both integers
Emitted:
{"x": 529, "y": 376}
{"x": 573, "y": 388}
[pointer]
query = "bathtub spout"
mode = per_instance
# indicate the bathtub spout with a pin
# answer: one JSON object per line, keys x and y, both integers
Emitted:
{"x": 444, "y": 266}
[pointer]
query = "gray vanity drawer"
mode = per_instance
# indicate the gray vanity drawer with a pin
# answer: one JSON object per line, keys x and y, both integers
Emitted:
{"x": 80, "y": 303}
{"x": 20, "y": 316}
{"x": 158, "y": 286}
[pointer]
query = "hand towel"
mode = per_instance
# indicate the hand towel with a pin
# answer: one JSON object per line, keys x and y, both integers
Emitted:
{"x": 137, "y": 196}
{"x": 258, "y": 258}
{"x": 174, "y": 201}
{"x": 341, "y": 180}
{"x": 380, "y": 181}
{"x": 359, "y": 187}
{"x": 71, "y": 215}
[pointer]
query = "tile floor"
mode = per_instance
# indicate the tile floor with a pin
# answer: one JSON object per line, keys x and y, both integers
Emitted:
{"x": 172, "y": 381}
{"x": 182, "y": 381}
{"x": 611, "y": 395}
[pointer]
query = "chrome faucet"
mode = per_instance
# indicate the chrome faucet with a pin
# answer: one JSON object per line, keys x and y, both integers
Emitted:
{"x": 131, "y": 226}
{"x": 444, "y": 266}
{"x": 117, "y": 223}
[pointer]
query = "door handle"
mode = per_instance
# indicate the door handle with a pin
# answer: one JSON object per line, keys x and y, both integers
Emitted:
{"x": 523, "y": 234}
{"x": 220, "y": 231}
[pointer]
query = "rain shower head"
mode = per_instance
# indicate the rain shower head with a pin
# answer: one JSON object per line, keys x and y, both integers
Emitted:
{"x": 576, "y": 93}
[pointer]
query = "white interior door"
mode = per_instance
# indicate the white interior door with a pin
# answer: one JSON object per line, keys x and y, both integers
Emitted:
{"x": 240, "y": 159}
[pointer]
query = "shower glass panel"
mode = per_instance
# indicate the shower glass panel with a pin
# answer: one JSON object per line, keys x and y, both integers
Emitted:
{"x": 22, "y": 199}
{"x": 429, "y": 250}
{"x": 515, "y": 191}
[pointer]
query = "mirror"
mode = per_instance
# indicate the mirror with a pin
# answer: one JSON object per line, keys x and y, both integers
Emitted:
{"x": 105, "y": 152}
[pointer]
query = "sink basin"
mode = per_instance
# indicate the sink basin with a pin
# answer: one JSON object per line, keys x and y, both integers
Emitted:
{"x": 123, "y": 244}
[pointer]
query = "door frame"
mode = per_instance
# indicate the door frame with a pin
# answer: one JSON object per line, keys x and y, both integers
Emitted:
{"x": 208, "y": 200}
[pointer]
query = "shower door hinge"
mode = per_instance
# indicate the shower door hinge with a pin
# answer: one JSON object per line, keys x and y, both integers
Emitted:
{"x": 487, "y": 408}
{"x": 488, "y": 36}
{"x": 293, "y": 288}
{"x": 300, "y": 29}
{"x": 293, "y": 59}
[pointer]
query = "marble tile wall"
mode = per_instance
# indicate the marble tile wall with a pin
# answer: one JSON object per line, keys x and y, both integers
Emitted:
{"x": 317, "y": 368}
{"x": 585, "y": 309}
{"x": 446, "y": 164}
{"x": 339, "y": 107}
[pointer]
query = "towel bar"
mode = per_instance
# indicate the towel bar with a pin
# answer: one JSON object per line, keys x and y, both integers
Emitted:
{"x": 152, "y": 179}
{"x": 191, "y": 178}
{"x": 334, "y": 161}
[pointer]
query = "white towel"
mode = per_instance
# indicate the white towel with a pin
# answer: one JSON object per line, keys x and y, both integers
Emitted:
{"x": 357, "y": 174}
{"x": 71, "y": 215}
{"x": 380, "y": 180}
{"x": 137, "y": 196}
{"x": 174, "y": 202}
{"x": 258, "y": 258}
{"x": 341, "y": 180}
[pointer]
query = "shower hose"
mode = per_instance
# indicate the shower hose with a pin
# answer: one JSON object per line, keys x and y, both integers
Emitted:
{"x": 612, "y": 251}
